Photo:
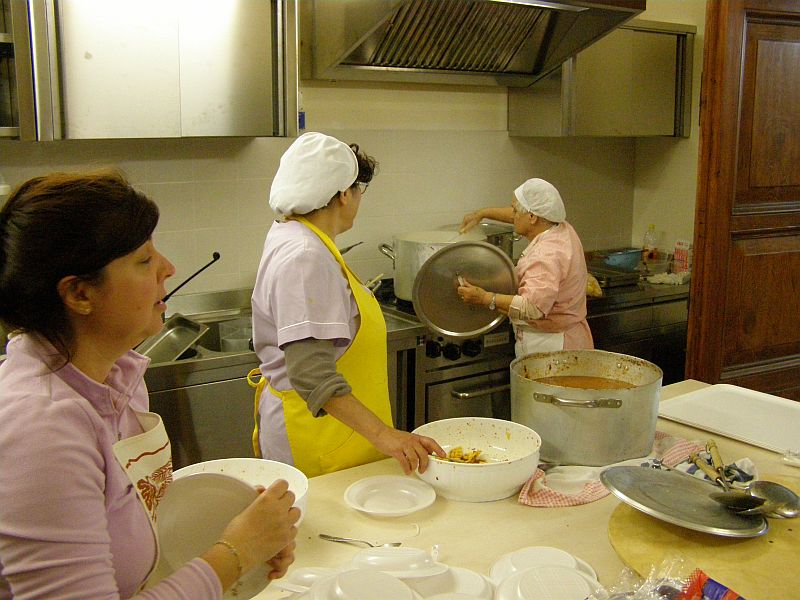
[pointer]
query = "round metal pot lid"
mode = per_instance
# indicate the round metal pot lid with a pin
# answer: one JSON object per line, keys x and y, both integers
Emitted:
{"x": 435, "y": 293}
{"x": 680, "y": 499}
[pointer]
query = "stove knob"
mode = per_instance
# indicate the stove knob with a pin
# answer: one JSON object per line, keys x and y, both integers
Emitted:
{"x": 471, "y": 348}
{"x": 451, "y": 352}
{"x": 433, "y": 349}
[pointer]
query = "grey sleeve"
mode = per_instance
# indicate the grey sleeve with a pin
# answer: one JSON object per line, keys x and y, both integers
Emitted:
{"x": 311, "y": 366}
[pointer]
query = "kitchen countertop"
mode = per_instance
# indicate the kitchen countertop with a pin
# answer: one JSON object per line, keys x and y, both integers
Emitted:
{"x": 627, "y": 296}
{"x": 474, "y": 535}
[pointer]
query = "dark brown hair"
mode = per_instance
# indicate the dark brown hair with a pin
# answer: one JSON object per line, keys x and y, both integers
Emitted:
{"x": 59, "y": 225}
{"x": 367, "y": 166}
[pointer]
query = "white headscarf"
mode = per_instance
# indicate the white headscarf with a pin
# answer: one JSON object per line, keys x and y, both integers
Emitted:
{"x": 312, "y": 170}
{"x": 541, "y": 198}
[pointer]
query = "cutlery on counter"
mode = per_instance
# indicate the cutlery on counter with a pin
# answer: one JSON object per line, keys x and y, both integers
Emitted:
{"x": 759, "y": 497}
{"x": 345, "y": 540}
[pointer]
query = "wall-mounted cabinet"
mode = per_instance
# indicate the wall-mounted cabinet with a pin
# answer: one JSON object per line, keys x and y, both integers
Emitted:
{"x": 149, "y": 68}
{"x": 636, "y": 81}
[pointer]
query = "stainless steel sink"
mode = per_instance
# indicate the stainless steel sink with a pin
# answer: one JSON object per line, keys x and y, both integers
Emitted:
{"x": 228, "y": 334}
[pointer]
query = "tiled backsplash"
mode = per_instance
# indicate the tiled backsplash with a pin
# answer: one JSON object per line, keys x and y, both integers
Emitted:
{"x": 213, "y": 193}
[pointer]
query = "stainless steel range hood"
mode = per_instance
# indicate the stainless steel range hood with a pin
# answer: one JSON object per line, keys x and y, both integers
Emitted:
{"x": 473, "y": 42}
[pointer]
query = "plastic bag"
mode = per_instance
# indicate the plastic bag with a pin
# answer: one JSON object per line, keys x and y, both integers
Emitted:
{"x": 673, "y": 579}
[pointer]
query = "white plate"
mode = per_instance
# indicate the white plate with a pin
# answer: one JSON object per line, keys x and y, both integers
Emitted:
{"x": 389, "y": 495}
{"x": 361, "y": 584}
{"x": 551, "y": 582}
{"x": 255, "y": 471}
{"x": 193, "y": 514}
{"x": 456, "y": 581}
{"x": 307, "y": 576}
{"x": 525, "y": 558}
{"x": 585, "y": 567}
{"x": 402, "y": 562}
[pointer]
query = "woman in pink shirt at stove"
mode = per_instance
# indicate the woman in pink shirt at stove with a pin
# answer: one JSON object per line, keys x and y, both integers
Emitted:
{"x": 549, "y": 311}
{"x": 82, "y": 462}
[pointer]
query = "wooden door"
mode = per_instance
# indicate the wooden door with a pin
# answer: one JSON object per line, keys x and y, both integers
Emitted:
{"x": 744, "y": 313}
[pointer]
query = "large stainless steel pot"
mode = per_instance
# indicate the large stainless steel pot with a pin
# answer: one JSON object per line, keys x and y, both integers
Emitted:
{"x": 410, "y": 251}
{"x": 500, "y": 235}
{"x": 587, "y": 426}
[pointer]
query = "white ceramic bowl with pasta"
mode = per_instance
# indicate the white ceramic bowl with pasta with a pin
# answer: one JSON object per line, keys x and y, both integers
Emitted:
{"x": 511, "y": 452}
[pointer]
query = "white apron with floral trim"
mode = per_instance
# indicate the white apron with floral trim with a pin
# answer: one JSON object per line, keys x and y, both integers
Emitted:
{"x": 147, "y": 460}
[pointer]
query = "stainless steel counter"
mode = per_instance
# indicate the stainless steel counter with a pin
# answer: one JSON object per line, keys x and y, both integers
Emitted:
{"x": 205, "y": 400}
{"x": 616, "y": 298}
{"x": 645, "y": 320}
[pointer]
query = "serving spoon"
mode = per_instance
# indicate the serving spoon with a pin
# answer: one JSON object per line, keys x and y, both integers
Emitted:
{"x": 345, "y": 540}
{"x": 761, "y": 498}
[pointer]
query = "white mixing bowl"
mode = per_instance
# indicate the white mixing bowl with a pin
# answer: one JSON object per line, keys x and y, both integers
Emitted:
{"x": 511, "y": 451}
{"x": 255, "y": 471}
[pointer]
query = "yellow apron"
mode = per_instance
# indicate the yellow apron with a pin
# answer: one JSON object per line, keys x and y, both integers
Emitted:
{"x": 147, "y": 461}
{"x": 323, "y": 444}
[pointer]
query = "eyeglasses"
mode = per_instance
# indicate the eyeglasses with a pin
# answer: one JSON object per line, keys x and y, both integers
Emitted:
{"x": 362, "y": 187}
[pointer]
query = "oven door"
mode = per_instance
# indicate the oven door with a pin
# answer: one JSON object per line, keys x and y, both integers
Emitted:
{"x": 482, "y": 395}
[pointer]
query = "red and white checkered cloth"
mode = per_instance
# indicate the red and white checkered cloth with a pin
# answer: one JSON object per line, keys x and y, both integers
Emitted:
{"x": 574, "y": 485}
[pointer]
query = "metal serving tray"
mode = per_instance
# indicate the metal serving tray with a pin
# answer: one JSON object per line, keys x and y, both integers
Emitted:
{"x": 178, "y": 335}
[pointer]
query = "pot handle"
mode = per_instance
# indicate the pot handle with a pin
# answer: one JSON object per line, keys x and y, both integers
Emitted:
{"x": 387, "y": 250}
{"x": 594, "y": 403}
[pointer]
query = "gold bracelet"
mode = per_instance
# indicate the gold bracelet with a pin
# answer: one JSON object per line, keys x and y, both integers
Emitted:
{"x": 235, "y": 553}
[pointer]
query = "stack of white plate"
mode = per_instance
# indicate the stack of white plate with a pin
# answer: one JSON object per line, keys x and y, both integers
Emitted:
{"x": 543, "y": 572}
{"x": 420, "y": 577}
{"x": 404, "y": 573}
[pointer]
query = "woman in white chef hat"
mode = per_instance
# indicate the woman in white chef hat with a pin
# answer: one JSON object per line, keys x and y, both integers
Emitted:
{"x": 322, "y": 398}
{"x": 549, "y": 310}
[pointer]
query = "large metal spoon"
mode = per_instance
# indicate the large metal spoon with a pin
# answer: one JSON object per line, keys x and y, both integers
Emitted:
{"x": 737, "y": 500}
{"x": 344, "y": 540}
{"x": 761, "y": 498}
{"x": 779, "y": 499}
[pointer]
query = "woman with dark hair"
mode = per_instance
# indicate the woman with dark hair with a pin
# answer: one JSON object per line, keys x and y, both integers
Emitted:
{"x": 322, "y": 401}
{"x": 82, "y": 462}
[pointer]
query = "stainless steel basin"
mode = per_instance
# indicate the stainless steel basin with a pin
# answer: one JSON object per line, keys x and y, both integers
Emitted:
{"x": 228, "y": 335}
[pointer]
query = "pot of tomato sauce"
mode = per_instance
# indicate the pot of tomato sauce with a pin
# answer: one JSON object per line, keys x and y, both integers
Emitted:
{"x": 590, "y": 407}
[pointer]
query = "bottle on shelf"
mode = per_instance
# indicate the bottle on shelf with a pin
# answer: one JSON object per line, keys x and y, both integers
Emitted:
{"x": 649, "y": 243}
{"x": 301, "y": 114}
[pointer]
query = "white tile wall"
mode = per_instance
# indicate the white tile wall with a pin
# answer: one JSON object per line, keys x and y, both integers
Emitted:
{"x": 213, "y": 193}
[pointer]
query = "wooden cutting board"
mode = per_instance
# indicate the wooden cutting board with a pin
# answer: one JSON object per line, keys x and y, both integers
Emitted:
{"x": 764, "y": 567}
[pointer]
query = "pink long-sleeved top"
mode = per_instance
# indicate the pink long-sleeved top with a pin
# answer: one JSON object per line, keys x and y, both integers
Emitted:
{"x": 71, "y": 524}
{"x": 552, "y": 274}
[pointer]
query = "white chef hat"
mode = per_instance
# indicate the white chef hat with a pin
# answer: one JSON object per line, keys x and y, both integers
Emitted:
{"x": 541, "y": 198}
{"x": 312, "y": 170}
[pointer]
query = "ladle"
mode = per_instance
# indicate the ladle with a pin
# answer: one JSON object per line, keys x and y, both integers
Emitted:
{"x": 344, "y": 540}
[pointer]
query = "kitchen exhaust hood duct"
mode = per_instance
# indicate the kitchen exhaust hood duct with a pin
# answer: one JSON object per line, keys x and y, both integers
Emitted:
{"x": 472, "y": 42}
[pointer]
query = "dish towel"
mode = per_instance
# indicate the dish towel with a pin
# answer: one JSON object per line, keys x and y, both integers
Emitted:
{"x": 574, "y": 485}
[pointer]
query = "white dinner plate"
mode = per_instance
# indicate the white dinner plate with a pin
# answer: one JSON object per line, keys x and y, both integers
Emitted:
{"x": 456, "y": 581}
{"x": 585, "y": 567}
{"x": 552, "y": 582}
{"x": 193, "y": 514}
{"x": 361, "y": 584}
{"x": 531, "y": 556}
{"x": 389, "y": 495}
{"x": 402, "y": 562}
